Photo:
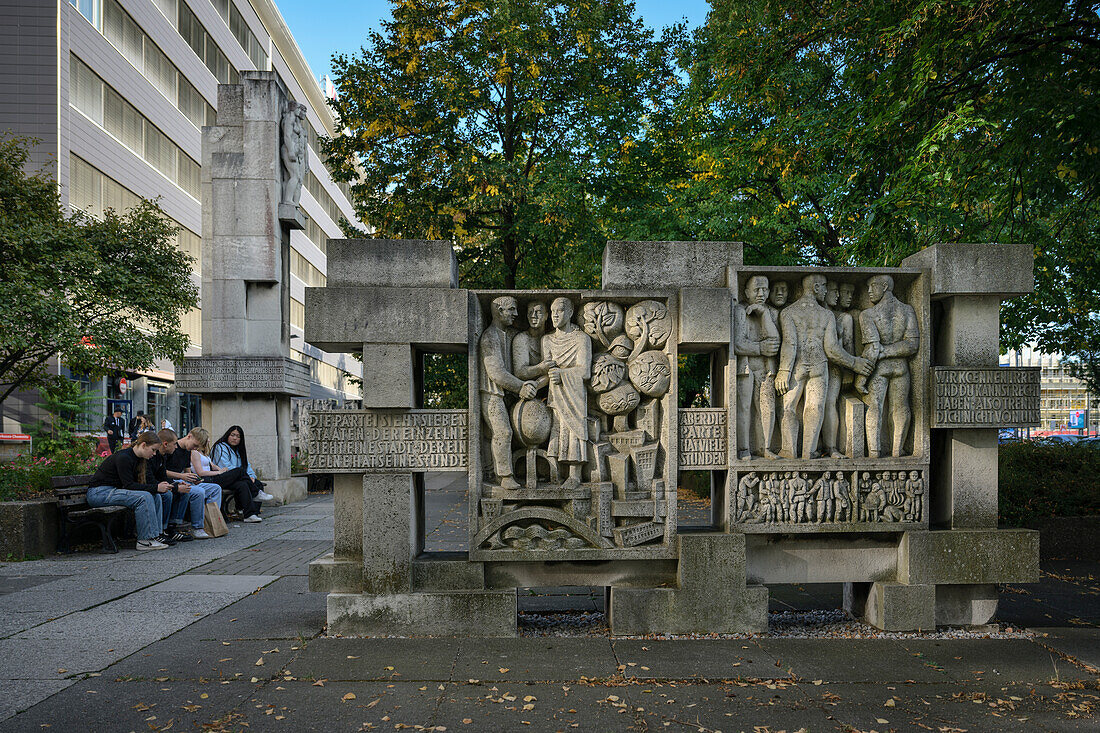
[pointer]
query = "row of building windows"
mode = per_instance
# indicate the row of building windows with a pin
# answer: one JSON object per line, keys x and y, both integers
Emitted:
{"x": 237, "y": 25}
{"x": 301, "y": 268}
{"x": 297, "y": 313}
{"x": 313, "y": 185}
{"x": 92, "y": 191}
{"x": 94, "y": 98}
{"x": 316, "y": 234}
{"x": 119, "y": 28}
{"x": 326, "y": 374}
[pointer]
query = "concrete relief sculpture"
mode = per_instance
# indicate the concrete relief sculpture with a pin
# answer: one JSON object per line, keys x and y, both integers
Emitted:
{"x": 292, "y": 152}
{"x": 829, "y": 500}
{"x": 838, "y": 376}
{"x": 573, "y": 427}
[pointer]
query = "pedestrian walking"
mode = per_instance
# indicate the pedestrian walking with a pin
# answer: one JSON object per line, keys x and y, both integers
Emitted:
{"x": 114, "y": 426}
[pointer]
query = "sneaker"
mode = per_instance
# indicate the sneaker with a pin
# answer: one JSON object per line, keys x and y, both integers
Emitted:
{"x": 180, "y": 535}
{"x": 253, "y": 519}
{"x": 153, "y": 544}
{"x": 200, "y": 534}
{"x": 264, "y": 496}
{"x": 165, "y": 539}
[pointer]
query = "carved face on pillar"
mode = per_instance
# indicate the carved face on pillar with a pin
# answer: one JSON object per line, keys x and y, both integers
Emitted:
{"x": 561, "y": 310}
{"x": 536, "y": 316}
{"x": 878, "y": 286}
{"x": 779, "y": 293}
{"x": 756, "y": 290}
{"x": 832, "y": 294}
{"x": 847, "y": 293}
{"x": 505, "y": 311}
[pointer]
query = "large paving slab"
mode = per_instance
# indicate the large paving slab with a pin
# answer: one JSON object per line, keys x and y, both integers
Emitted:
{"x": 338, "y": 706}
{"x": 850, "y": 660}
{"x": 209, "y": 660}
{"x": 550, "y": 658}
{"x": 685, "y": 659}
{"x": 337, "y": 659}
{"x": 995, "y": 660}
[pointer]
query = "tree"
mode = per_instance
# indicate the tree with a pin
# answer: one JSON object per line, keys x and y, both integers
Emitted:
{"x": 74, "y": 286}
{"x": 856, "y": 133}
{"x": 497, "y": 124}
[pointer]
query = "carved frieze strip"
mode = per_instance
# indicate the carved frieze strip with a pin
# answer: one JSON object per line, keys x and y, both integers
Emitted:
{"x": 387, "y": 441}
{"x": 985, "y": 397}
{"x": 887, "y": 498}
{"x": 704, "y": 438}
{"x": 247, "y": 374}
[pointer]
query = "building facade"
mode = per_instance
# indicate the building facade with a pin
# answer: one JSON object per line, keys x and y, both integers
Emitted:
{"x": 117, "y": 93}
{"x": 1062, "y": 395}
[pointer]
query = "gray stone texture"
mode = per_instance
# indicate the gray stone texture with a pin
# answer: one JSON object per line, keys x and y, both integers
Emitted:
{"x": 977, "y": 269}
{"x": 668, "y": 265}
{"x": 462, "y": 613}
{"x": 372, "y": 263}
{"x": 387, "y": 539}
{"x": 704, "y": 318}
{"x": 388, "y": 376}
{"x": 970, "y": 556}
{"x": 892, "y": 606}
{"x": 343, "y": 319}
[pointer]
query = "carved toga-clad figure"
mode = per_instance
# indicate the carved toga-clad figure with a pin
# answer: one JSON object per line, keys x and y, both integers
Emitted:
{"x": 890, "y": 336}
{"x": 756, "y": 340}
{"x": 810, "y": 342}
{"x": 527, "y": 361}
{"x": 571, "y": 350}
{"x": 494, "y": 349}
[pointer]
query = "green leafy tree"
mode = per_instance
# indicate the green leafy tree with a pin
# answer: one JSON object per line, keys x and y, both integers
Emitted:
{"x": 101, "y": 294}
{"x": 66, "y": 403}
{"x": 833, "y": 132}
{"x": 500, "y": 125}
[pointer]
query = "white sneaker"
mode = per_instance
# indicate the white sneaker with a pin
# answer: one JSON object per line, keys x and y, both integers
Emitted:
{"x": 150, "y": 545}
{"x": 264, "y": 496}
{"x": 200, "y": 534}
{"x": 253, "y": 519}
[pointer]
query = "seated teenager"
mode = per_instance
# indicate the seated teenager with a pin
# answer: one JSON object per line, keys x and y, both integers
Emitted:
{"x": 230, "y": 451}
{"x": 192, "y": 493}
{"x": 233, "y": 479}
{"x": 123, "y": 479}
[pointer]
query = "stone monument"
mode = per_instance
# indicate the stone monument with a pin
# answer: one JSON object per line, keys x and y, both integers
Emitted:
{"x": 852, "y": 438}
{"x": 254, "y": 161}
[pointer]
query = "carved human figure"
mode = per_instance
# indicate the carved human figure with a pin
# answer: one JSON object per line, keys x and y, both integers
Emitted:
{"x": 810, "y": 342}
{"x": 772, "y": 484}
{"x": 494, "y": 350}
{"x": 746, "y": 490}
{"x": 780, "y": 292}
{"x": 527, "y": 361}
{"x": 890, "y": 336}
{"x": 571, "y": 350}
{"x": 800, "y": 498}
{"x": 843, "y": 503}
{"x": 784, "y": 508}
{"x": 914, "y": 493}
{"x": 831, "y": 424}
{"x": 826, "y": 502}
{"x": 875, "y": 502}
{"x": 292, "y": 152}
{"x": 756, "y": 341}
{"x": 847, "y": 295}
{"x": 864, "y": 490}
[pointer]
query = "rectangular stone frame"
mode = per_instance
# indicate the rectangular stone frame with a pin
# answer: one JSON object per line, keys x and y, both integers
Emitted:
{"x": 917, "y": 294}
{"x": 668, "y": 549}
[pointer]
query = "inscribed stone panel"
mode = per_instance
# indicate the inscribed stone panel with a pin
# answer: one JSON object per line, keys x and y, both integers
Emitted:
{"x": 387, "y": 441}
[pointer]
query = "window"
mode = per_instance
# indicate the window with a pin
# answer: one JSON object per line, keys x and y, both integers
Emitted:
{"x": 297, "y": 314}
{"x": 204, "y": 46}
{"x": 301, "y": 268}
{"x": 323, "y": 198}
{"x": 237, "y": 25}
{"x": 90, "y": 9}
{"x": 106, "y": 107}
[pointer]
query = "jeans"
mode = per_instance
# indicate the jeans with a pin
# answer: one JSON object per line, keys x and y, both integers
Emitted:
{"x": 149, "y": 512}
{"x": 197, "y": 499}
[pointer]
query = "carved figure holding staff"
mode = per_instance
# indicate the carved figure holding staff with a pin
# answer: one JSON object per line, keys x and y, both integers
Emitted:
{"x": 756, "y": 341}
{"x": 810, "y": 342}
{"x": 891, "y": 336}
{"x": 494, "y": 349}
{"x": 570, "y": 349}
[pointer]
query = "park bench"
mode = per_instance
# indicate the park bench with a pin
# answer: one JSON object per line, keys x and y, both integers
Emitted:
{"x": 74, "y": 513}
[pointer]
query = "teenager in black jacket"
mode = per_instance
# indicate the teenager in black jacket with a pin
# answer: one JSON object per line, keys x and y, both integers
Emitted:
{"x": 123, "y": 480}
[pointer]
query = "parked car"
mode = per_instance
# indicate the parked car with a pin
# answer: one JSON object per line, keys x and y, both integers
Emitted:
{"x": 1093, "y": 442}
{"x": 1058, "y": 439}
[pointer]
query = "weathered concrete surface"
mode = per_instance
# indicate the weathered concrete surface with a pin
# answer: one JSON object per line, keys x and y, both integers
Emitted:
{"x": 704, "y": 318}
{"x": 668, "y": 265}
{"x": 977, "y": 269}
{"x": 892, "y": 606}
{"x": 371, "y": 262}
{"x": 818, "y": 559}
{"x": 465, "y": 613}
{"x": 28, "y": 528}
{"x": 969, "y": 557}
{"x": 420, "y": 316}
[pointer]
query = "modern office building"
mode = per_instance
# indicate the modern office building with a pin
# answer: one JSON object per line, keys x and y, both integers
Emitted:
{"x": 117, "y": 92}
{"x": 1061, "y": 394}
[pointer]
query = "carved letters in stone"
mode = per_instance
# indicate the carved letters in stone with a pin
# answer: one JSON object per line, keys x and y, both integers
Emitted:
{"x": 985, "y": 398}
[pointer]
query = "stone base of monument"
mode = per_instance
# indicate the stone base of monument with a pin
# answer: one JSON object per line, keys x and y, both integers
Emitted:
{"x": 892, "y": 606}
{"x": 287, "y": 490}
{"x": 711, "y": 597}
{"x": 965, "y": 605}
{"x": 455, "y": 613}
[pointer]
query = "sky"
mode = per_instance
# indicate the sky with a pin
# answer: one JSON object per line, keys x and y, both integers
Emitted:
{"x": 323, "y": 27}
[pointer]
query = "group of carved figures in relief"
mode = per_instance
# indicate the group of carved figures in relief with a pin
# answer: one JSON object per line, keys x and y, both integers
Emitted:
{"x": 557, "y": 407}
{"x": 797, "y": 364}
{"x": 809, "y": 497}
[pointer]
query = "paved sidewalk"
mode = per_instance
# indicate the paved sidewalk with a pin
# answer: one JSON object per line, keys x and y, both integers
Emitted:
{"x": 224, "y": 635}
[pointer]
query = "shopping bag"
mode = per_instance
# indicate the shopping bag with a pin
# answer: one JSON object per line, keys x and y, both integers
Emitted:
{"x": 213, "y": 521}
